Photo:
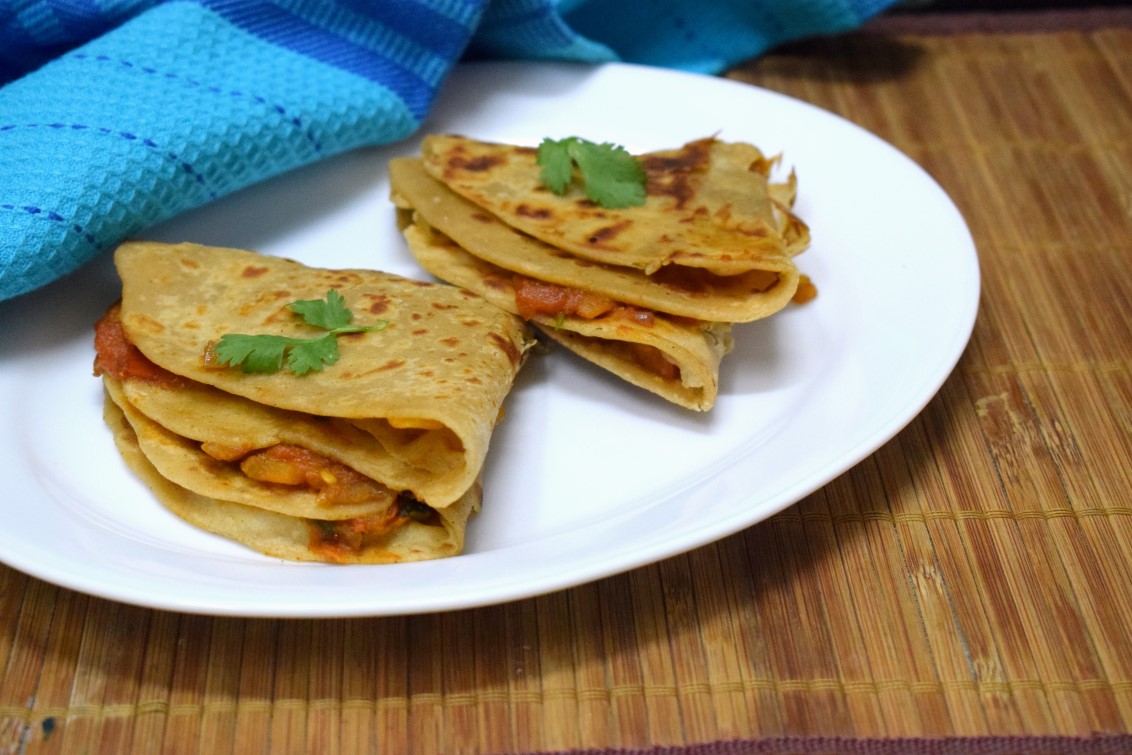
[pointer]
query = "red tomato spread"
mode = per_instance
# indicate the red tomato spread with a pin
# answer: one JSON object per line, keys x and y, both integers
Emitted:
{"x": 336, "y": 483}
{"x": 534, "y": 297}
{"x": 117, "y": 357}
{"x": 334, "y": 540}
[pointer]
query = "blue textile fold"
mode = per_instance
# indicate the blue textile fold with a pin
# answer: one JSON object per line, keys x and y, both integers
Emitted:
{"x": 118, "y": 114}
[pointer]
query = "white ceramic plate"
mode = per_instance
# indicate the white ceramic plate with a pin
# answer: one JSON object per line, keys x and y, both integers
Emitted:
{"x": 587, "y": 476}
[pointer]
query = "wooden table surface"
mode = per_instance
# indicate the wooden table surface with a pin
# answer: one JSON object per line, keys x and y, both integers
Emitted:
{"x": 970, "y": 584}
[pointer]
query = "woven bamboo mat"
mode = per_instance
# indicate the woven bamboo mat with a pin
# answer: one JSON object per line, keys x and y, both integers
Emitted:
{"x": 971, "y": 579}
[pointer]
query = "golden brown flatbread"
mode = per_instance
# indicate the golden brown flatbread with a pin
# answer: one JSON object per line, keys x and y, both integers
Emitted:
{"x": 672, "y": 289}
{"x": 675, "y": 358}
{"x": 368, "y": 454}
{"x": 648, "y": 292}
{"x": 708, "y": 206}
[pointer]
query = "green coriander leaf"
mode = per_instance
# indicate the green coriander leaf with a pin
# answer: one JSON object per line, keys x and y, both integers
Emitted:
{"x": 268, "y": 353}
{"x": 612, "y": 177}
{"x": 557, "y": 165}
{"x": 376, "y": 325}
{"x": 262, "y": 353}
{"x": 312, "y": 354}
{"x": 327, "y": 314}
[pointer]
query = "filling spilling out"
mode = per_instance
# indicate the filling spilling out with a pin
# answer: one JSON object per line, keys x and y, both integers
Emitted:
{"x": 534, "y": 298}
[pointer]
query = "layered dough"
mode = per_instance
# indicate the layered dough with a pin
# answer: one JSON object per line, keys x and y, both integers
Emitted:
{"x": 674, "y": 357}
{"x": 377, "y": 458}
{"x": 648, "y": 293}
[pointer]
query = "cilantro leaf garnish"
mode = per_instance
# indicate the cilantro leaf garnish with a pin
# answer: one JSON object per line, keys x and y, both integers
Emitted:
{"x": 313, "y": 354}
{"x": 267, "y": 353}
{"x": 328, "y": 313}
{"x": 557, "y": 165}
{"x": 611, "y": 176}
{"x": 252, "y": 353}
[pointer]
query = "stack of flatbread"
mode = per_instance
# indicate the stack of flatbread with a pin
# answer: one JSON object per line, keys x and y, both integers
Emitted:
{"x": 374, "y": 459}
{"x": 648, "y": 292}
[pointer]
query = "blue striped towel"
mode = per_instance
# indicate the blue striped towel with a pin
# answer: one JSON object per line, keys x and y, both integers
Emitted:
{"x": 118, "y": 114}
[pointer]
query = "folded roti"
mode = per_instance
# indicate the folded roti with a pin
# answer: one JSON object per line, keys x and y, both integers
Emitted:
{"x": 709, "y": 207}
{"x": 376, "y": 458}
{"x": 675, "y": 358}
{"x": 369, "y": 539}
{"x": 673, "y": 289}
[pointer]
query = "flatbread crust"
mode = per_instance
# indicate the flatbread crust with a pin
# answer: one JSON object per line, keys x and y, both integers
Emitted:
{"x": 708, "y": 205}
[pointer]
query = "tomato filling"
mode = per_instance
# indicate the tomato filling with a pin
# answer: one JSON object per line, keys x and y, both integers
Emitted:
{"x": 533, "y": 297}
{"x": 117, "y": 357}
{"x": 295, "y": 466}
{"x": 334, "y": 540}
{"x": 806, "y": 292}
